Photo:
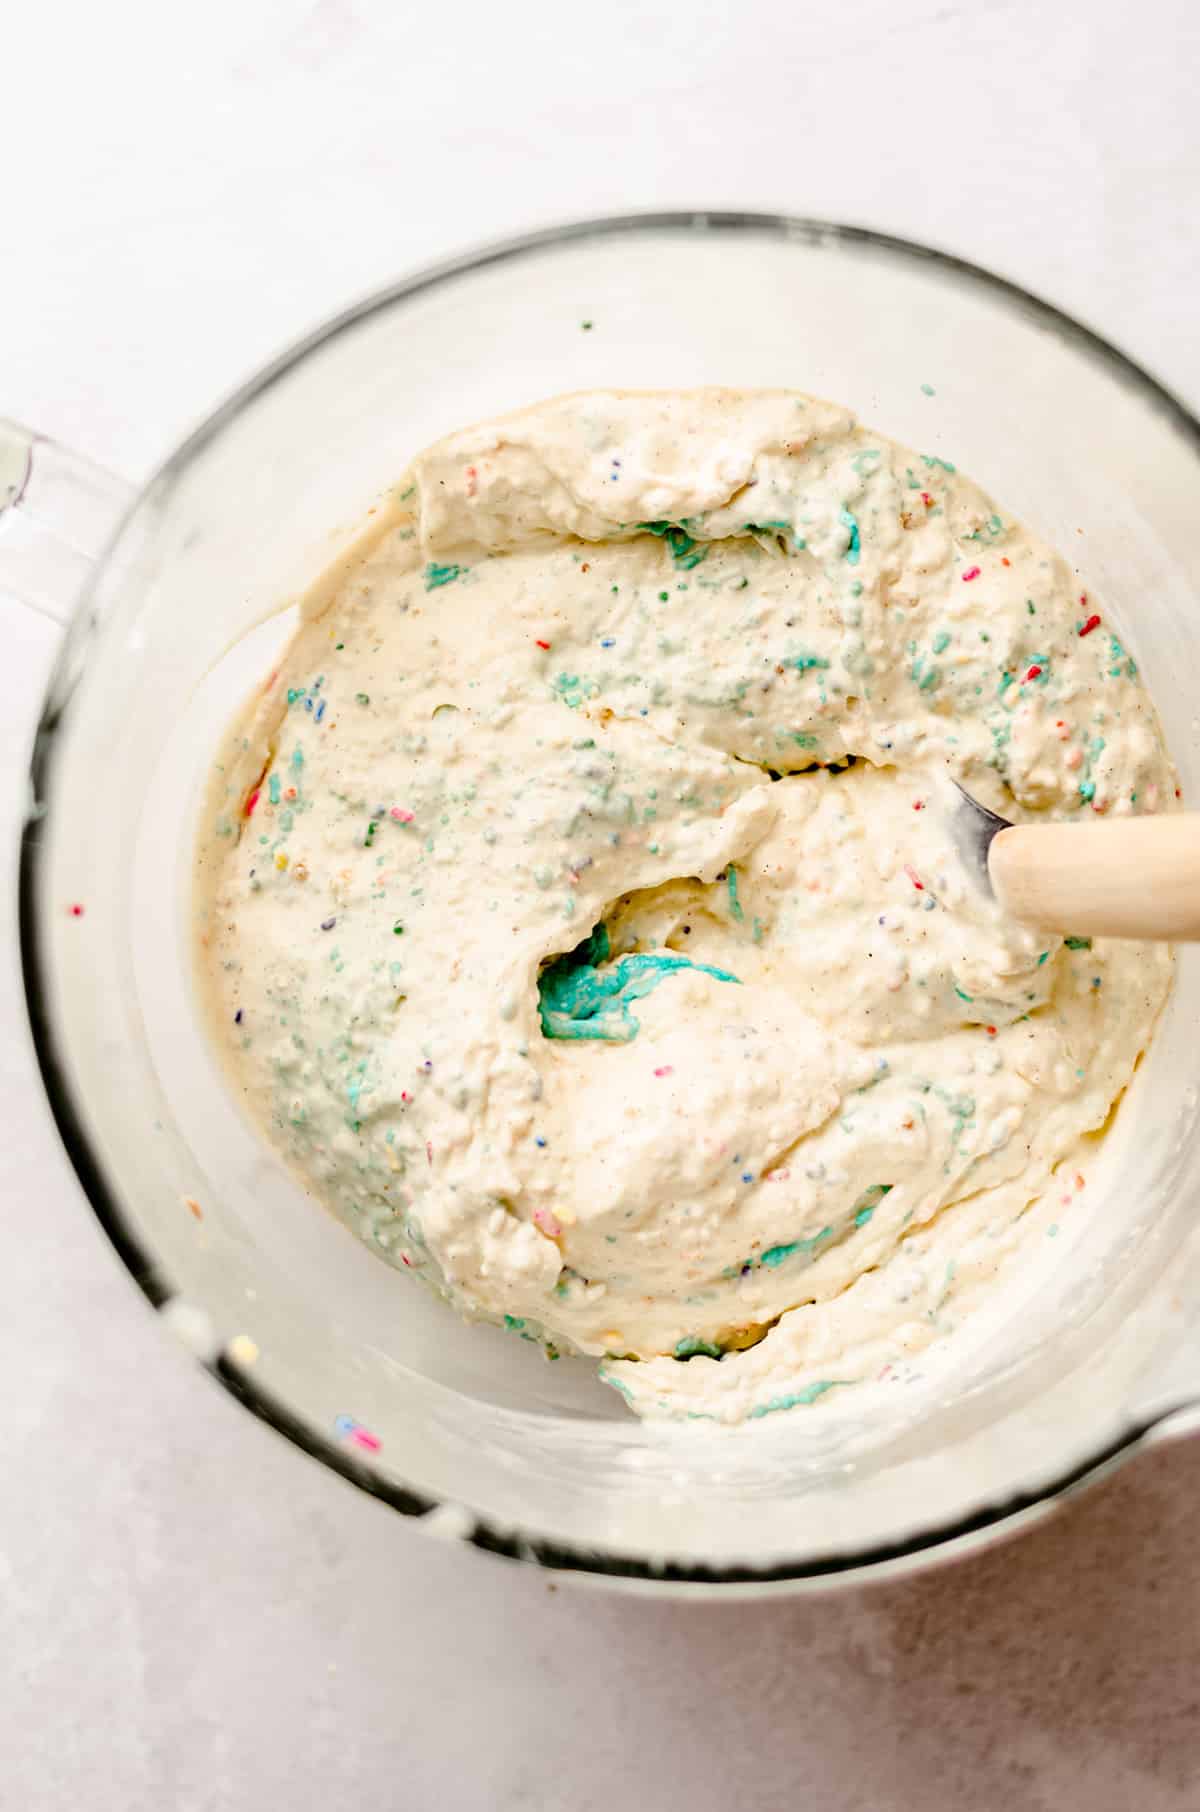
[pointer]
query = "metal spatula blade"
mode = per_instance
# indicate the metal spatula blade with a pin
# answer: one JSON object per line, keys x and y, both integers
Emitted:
{"x": 1117, "y": 877}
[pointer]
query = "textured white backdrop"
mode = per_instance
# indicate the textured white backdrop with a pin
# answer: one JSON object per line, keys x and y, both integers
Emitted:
{"x": 192, "y": 1616}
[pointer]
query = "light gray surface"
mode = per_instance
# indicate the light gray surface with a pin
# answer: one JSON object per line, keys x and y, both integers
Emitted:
{"x": 194, "y": 1616}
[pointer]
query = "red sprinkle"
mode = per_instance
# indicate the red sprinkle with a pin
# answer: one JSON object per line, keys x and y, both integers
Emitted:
{"x": 77, "y": 911}
{"x": 990, "y": 1030}
{"x": 545, "y": 645}
{"x": 911, "y": 872}
{"x": 1087, "y": 628}
{"x": 927, "y": 500}
{"x": 972, "y": 572}
{"x": 472, "y": 476}
{"x": 665, "y": 1070}
{"x": 918, "y": 805}
{"x": 362, "y": 1437}
{"x": 1004, "y": 560}
{"x": 252, "y": 801}
{"x": 1035, "y": 672}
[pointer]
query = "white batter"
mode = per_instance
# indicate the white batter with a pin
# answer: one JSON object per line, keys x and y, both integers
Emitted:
{"x": 556, "y": 946}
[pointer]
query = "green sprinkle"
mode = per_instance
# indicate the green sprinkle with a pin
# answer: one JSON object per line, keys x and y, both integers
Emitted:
{"x": 962, "y": 996}
{"x": 685, "y": 551}
{"x": 795, "y": 1398}
{"x": 436, "y": 575}
{"x": 692, "y": 1347}
{"x": 362, "y": 698}
{"x": 941, "y": 641}
{"x": 273, "y": 789}
{"x": 398, "y": 929}
{"x": 514, "y": 1321}
{"x": 854, "y": 550}
{"x": 1078, "y": 943}
{"x": 731, "y": 882}
{"x": 585, "y": 327}
{"x": 372, "y": 827}
{"x": 775, "y": 1255}
{"x": 928, "y": 390}
{"x": 1031, "y": 607}
{"x": 1087, "y": 789}
{"x": 869, "y": 1201}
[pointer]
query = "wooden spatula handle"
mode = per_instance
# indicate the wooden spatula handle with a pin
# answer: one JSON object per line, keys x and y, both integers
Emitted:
{"x": 1126, "y": 877}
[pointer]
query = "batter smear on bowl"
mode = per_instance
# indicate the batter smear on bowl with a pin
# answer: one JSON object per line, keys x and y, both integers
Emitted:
{"x": 580, "y": 917}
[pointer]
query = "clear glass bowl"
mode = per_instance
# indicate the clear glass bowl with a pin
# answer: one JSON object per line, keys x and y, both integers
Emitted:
{"x": 1100, "y": 1346}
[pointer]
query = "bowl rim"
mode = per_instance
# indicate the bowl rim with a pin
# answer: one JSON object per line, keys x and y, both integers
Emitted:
{"x": 694, "y": 1580}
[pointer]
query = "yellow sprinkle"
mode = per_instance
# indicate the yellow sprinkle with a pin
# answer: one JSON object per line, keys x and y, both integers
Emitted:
{"x": 243, "y": 1349}
{"x": 281, "y": 860}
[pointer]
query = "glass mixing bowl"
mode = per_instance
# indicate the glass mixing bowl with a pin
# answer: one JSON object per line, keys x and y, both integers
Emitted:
{"x": 1090, "y": 1354}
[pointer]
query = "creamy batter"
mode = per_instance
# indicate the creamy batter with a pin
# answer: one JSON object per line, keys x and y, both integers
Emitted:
{"x": 580, "y": 916}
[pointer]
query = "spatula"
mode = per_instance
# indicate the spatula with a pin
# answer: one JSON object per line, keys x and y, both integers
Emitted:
{"x": 1120, "y": 877}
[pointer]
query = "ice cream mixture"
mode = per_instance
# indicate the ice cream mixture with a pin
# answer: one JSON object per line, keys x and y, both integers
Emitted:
{"x": 580, "y": 916}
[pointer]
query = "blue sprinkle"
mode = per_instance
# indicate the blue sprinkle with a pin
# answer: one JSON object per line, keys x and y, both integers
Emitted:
{"x": 747, "y": 1176}
{"x": 540, "y": 1142}
{"x": 237, "y": 1018}
{"x": 608, "y": 641}
{"x": 320, "y": 712}
{"x": 328, "y": 924}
